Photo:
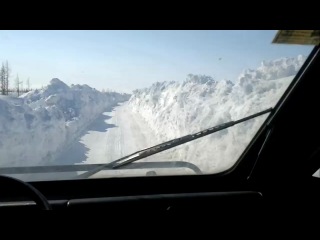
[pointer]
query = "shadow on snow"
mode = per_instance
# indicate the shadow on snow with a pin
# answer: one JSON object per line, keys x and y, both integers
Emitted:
{"x": 77, "y": 152}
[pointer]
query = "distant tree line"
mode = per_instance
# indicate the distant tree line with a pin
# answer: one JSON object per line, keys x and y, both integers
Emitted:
{"x": 5, "y": 80}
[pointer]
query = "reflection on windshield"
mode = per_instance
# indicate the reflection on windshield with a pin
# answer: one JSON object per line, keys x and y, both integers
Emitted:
{"x": 84, "y": 102}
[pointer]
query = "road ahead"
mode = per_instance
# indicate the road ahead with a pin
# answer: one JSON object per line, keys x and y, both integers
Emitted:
{"x": 112, "y": 135}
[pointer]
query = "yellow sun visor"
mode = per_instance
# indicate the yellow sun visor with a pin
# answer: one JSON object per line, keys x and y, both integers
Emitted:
{"x": 301, "y": 37}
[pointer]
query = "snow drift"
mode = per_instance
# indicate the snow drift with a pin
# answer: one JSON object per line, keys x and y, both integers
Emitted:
{"x": 35, "y": 127}
{"x": 175, "y": 109}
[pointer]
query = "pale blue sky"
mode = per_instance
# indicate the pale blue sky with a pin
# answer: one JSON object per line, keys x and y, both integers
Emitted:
{"x": 126, "y": 60}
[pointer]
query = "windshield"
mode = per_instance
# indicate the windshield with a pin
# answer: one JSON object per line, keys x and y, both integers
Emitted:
{"x": 74, "y": 101}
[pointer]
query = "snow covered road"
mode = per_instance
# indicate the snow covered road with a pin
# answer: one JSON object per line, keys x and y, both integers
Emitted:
{"x": 112, "y": 135}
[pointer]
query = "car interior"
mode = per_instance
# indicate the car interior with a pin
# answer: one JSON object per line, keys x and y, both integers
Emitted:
{"x": 275, "y": 175}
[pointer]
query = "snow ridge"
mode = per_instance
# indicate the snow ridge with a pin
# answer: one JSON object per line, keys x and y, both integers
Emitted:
{"x": 175, "y": 109}
{"x": 35, "y": 127}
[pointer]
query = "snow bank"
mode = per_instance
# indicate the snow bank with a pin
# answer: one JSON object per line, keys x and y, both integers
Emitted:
{"x": 175, "y": 109}
{"x": 35, "y": 127}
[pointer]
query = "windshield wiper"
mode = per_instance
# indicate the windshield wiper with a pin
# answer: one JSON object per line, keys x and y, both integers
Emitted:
{"x": 167, "y": 145}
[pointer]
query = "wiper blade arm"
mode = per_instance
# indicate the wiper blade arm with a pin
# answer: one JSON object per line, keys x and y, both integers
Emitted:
{"x": 170, "y": 144}
{"x": 188, "y": 138}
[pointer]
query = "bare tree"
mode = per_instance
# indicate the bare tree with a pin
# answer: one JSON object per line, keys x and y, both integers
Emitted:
{"x": 21, "y": 87}
{"x": 7, "y": 76}
{"x": 17, "y": 83}
{"x": 28, "y": 84}
{"x": 2, "y": 79}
